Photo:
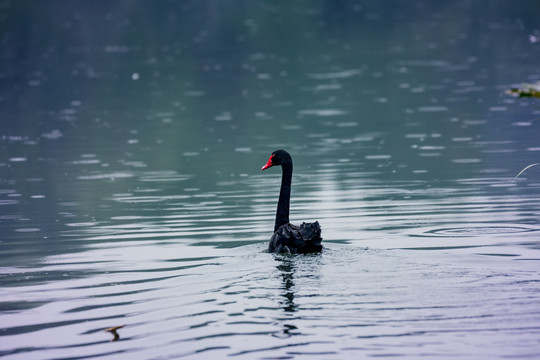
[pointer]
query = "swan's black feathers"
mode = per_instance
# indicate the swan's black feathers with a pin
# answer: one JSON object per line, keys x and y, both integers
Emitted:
{"x": 293, "y": 239}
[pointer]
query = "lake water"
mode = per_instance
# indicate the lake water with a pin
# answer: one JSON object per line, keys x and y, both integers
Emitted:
{"x": 131, "y": 142}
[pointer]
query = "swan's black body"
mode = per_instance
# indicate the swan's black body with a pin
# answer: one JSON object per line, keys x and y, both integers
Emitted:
{"x": 289, "y": 238}
{"x": 293, "y": 239}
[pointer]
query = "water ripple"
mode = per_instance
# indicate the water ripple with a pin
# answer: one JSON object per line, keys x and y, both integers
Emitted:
{"x": 480, "y": 230}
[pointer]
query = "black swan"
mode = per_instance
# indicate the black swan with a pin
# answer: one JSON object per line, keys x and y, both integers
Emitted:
{"x": 289, "y": 238}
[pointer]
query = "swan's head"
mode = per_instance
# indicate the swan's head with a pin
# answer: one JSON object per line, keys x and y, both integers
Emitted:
{"x": 278, "y": 157}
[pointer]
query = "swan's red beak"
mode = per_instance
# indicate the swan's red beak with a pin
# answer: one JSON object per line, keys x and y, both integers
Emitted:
{"x": 268, "y": 163}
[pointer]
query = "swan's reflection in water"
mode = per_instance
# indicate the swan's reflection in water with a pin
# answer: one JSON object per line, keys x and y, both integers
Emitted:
{"x": 288, "y": 266}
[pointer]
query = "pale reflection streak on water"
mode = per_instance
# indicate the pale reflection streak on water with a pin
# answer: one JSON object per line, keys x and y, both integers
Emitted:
{"x": 438, "y": 272}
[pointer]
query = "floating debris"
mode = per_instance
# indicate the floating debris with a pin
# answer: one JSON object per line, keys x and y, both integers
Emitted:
{"x": 112, "y": 330}
{"x": 525, "y": 169}
{"x": 526, "y": 90}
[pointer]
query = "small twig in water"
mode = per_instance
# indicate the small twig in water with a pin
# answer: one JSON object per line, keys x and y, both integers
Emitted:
{"x": 522, "y": 171}
{"x": 112, "y": 330}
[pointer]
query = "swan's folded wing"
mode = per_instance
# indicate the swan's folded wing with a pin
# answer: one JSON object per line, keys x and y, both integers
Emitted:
{"x": 291, "y": 238}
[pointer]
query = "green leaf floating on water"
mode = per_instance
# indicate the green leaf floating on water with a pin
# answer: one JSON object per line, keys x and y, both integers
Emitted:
{"x": 526, "y": 90}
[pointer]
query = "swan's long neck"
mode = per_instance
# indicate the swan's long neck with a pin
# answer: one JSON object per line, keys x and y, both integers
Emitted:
{"x": 282, "y": 214}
